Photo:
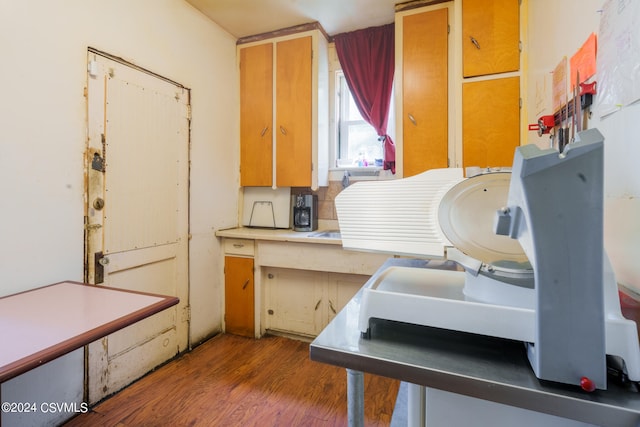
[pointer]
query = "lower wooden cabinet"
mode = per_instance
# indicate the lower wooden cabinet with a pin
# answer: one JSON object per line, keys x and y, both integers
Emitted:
{"x": 239, "y": 301}
{"x": 303, "y": 302}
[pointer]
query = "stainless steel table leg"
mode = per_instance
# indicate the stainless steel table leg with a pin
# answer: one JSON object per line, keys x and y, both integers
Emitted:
{"x": 416, "y": 414}
{"x": 355, "y": 398}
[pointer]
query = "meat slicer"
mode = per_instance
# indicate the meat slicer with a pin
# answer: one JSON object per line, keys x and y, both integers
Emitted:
{"x": 529, "y": 244}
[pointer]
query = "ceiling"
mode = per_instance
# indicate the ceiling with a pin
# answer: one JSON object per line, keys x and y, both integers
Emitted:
{"x": 244, "y": 18}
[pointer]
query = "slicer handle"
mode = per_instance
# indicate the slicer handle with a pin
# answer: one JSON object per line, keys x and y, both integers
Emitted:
{"x": 505, "y": 222}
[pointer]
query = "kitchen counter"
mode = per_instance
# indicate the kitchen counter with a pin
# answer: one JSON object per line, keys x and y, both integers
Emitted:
{"x": 279, "y": 235}
{"x": 486, "y": 368}
{"x": 286, "y": 262}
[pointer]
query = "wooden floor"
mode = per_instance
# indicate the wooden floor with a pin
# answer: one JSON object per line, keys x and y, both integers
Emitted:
{"x": 236, "y": 381}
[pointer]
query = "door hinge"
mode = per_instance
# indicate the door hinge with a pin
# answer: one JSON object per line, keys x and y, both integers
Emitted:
{"x": 186, "y": 313}
{"x": 448, "y": 29}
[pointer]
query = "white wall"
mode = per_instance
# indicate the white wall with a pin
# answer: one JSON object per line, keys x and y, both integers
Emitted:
{"x": 43, "y": 130}
{"x": 559, "y": 28}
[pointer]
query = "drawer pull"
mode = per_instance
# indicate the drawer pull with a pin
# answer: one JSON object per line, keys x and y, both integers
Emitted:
{"x": 238, "y": 245}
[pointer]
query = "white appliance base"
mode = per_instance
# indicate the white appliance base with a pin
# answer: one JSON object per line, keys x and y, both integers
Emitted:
{"x": 436, "y": 298}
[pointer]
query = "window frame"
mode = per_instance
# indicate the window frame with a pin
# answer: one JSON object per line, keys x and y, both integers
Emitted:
{"x": 341, "y": 105}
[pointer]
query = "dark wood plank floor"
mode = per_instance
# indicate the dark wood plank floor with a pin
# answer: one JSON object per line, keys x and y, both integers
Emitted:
{"x": 235, "y": 381}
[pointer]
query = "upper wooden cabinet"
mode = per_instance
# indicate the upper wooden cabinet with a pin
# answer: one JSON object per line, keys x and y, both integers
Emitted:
{"x": 293, "y": 113}
{"x": 284, "y": 111}
{"x": 422, "y": 116}
{"x": 490, "y": 36}
{"x": 256, "y": 115}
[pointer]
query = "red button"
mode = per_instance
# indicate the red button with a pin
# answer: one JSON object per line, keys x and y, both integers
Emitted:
{"x": 587, "y": 384}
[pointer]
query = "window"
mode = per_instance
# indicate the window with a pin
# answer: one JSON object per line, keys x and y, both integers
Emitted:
{"x": 357, "y": 141}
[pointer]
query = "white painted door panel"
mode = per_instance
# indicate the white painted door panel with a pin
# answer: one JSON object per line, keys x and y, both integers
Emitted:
{"x": 137, "y": 213}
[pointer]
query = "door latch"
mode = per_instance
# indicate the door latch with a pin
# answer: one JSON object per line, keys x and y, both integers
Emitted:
{"x": 98, "y": 266}
{"x": 97, "y": 163}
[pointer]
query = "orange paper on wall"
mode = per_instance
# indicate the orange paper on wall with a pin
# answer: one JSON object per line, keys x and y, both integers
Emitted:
{"x": 584, "y": 61}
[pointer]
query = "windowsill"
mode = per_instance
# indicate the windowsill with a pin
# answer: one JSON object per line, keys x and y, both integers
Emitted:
{"x": 366, "y": 173}
{"x": 356, "y": 168}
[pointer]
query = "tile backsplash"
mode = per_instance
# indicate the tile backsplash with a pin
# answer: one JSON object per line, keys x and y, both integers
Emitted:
{"x": 326, "y": 197}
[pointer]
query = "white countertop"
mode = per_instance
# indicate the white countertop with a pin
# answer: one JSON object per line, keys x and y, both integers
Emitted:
{"x": 282, "y": 235}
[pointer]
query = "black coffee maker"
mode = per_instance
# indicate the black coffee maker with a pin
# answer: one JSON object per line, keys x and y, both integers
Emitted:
{"x": 305, "y": 212}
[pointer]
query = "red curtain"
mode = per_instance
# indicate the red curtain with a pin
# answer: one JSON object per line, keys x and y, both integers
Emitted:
{"x": 367, "y": 58}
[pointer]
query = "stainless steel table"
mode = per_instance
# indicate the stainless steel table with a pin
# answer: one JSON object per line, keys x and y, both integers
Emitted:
{"x": 482, "y": 367}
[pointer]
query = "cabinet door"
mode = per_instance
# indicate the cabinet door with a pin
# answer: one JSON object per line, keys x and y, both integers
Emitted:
{"x": 293, "y": 112}
{"x": 490, "y": 122}
{"x": 342, "y": 287}
{"x": 256, "y": 115}
{"x": 425, "y": 91}
{"x": 490, "y": 36}
{"x": 294, "y": 300}
{"x": 239, "y": 305}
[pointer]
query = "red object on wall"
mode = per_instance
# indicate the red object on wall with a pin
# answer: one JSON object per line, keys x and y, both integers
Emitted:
{"x": 544, "y": 125}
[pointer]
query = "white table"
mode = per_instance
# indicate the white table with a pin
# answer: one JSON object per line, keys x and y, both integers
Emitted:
{"x": 42, "y": 324}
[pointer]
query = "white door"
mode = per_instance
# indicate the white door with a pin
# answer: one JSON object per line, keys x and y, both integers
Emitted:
{"x": 137, "y": 213}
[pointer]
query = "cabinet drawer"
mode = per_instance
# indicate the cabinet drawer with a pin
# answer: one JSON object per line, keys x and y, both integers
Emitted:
{"x": 239, "y": 247}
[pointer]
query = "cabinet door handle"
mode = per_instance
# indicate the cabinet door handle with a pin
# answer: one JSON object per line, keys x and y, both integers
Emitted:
{"x": 245, "y": 284}
{"x": 264, "y": 131}
{"x": 318, "y": 304}
{"x": 413, "y": 120}
{"x": 475, "y": 42}
{"x": 283, "y": 130}
{"x": 333, "y": 310}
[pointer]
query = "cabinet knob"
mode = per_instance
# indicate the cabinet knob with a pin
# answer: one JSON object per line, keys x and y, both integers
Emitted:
{"x": 475, "y": 42}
